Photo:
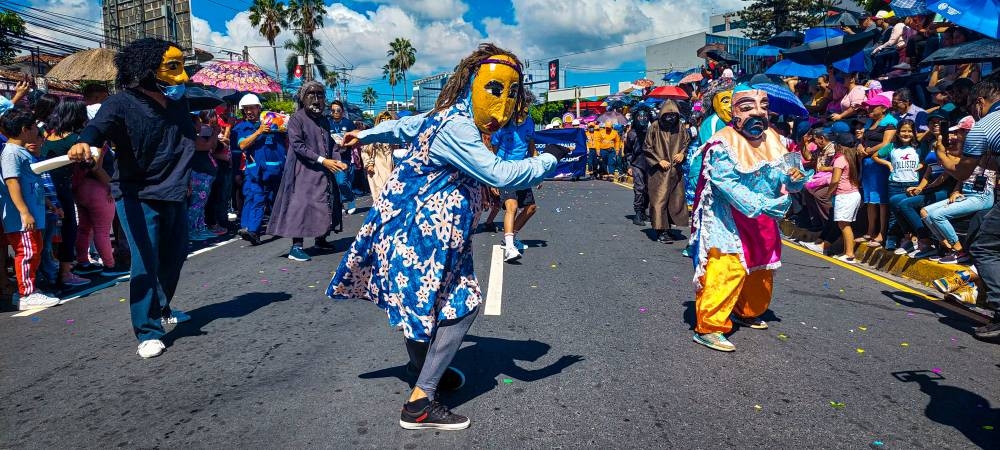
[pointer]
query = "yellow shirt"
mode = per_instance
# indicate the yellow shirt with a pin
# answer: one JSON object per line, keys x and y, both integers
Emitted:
{"x": 607, "y": 139}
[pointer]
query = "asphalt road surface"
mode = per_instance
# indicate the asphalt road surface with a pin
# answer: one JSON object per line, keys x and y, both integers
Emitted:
{"x": 592, "y": 349}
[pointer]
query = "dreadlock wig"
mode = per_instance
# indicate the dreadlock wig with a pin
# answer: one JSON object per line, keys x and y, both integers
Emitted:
{"x": 138, "y": 63}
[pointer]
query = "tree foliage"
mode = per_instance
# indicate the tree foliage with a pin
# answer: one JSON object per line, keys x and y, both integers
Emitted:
{"x": 544, "y": 112}
{"x": 369, "y": 96}
{"x": 402, "y": 54}
{"x": 765, "y": 18}
{"x": 11, "y": 26}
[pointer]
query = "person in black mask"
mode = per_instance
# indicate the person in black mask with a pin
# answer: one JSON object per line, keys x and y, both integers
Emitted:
{"x": 635, "y": 154}
{"x": 665, "y": 148}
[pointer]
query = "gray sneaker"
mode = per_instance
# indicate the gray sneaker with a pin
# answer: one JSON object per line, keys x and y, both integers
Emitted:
{"x": 715, "y": 341}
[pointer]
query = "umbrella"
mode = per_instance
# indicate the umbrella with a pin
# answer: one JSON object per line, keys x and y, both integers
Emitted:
{"x": 238, "y": 75}
{"x": 786, "y": 39}
{"x": 763, "y": 51}
{"x": 970, "y": 52}
{"x": 716, "y": 46}
{"x": 644, "y": 83}
{"x": 789, "y": 68}
{"x": 722, "y": 55}
{"x": 612, "y": 116}
{"x": 200, "y": 99}
{"x": 853, "y": 64}
{"x": 691, "y": 78}
{"x": 907, "y": 8}
{"x": 840, "y": 20}
{"x": 673, "y": 77}
{"x": 978, "y": 15}
{"x": 782, "y": 101}
{"x": 97, "y": 64}
{"x": 669, "y": 92}
{"x": 830, "y": 50}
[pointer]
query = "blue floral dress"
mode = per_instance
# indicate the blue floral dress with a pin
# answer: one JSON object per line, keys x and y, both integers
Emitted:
{"x": 413, "y": 255}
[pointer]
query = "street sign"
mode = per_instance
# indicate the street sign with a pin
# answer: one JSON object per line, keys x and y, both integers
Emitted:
{"x": 554, "y": 74}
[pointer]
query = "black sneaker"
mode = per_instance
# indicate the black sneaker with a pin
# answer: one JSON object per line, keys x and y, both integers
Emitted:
{"x": 87, "y": 269}
{"x": 451, "y": 380}
{"x": 249, "y": 236}
{"x": 637, "y": 220}
{"x": 665, "y": 238}
{"x": 990, "y": 331}
{"x": 324, "y": 244}
{"x": 424, "y": 414}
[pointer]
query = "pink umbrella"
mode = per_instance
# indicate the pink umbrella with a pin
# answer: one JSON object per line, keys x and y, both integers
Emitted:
{"x": 237, "y": 75}
{"x": 691, "y": 78}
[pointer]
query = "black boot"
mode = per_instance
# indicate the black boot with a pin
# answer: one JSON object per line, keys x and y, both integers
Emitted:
{"x": 664, "y": 238}
{"x": 639, "y": 219}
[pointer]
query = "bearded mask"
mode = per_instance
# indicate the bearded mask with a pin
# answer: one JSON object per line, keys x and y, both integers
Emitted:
{"x": 494, "y": 92}
{"x": 722, "y": 105}
{"x": 170, "y": 76}
{"x": 750, "y": 109}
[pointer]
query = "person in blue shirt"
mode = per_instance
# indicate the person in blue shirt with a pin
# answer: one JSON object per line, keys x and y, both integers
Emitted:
{"x": 514, "y": 143}
{"x": 264, "y": 146}
{"x": 345, "y": 179}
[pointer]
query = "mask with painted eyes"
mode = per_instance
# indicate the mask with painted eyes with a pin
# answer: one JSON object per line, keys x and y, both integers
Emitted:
{"x": 170, "y": 76}
{"x": 313, "y": 99}
{"x": 722, "y": 104}
{"x": 494, "y": 92}
{"x": 641, "y": 121}
{"x": 750, "y": 108}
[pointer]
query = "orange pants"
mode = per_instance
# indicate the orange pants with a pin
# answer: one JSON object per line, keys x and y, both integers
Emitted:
{"x": 727, "y": 288}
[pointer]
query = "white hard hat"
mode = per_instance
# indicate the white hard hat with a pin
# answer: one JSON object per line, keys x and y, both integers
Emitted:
{"x": 249, "y": 99}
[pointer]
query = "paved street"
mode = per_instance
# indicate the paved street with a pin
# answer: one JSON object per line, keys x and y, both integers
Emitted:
{"x": 592, "y": 350}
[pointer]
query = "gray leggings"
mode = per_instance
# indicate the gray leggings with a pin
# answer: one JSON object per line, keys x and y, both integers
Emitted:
{"x": 432, "y": 358}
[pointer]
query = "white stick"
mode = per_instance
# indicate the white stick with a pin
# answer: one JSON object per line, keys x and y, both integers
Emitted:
{"x": 59, "y": 161}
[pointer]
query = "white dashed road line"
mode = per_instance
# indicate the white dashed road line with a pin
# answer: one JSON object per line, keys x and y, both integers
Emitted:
{"x": 494, "y": 291}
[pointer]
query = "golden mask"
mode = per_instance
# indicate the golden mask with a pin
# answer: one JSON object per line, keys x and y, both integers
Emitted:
{"x": 722, "y": 104}
{"x": 171, "y": 71}
{"x": 494, "y": 91}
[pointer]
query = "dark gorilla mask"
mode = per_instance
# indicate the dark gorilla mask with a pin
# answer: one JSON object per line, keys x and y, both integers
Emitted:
{"x": 669, "y": 121}
{"x": 313, "y": 100}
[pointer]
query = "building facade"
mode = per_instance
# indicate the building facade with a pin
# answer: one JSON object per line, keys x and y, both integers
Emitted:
{"x": 128, "y": 20}
{"x": 427, "y": 89}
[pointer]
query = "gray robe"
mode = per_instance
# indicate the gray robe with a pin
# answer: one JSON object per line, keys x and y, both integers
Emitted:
{"x": 308, "y": 201}
{"x": 666, "y": 187}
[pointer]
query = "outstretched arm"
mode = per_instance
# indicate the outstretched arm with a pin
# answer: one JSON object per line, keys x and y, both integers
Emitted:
{"x": 460, "y": 144}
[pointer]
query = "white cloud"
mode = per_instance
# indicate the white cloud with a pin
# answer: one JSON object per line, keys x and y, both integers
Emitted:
{"x": 429, "y": 9}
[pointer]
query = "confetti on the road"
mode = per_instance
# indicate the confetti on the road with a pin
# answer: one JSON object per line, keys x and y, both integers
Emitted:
{"x": 837, "y": 405}
{"x": 909, "y": 314}
{"x": 284, "y": 269}
{"x": 558, "y": 210}
{"x": 553, "y": 266}
{"x": 826, "y": 284}
{"x": 507, "y": 381}
{"x": 860, "y": 350}
{"x": 311, "y": 286}
{"x": 904, "y": 344}
{"x": 936, "y": 370}
{"x": 644, "y": 260}
{"x": 534, "y": 286}
{"x": 841, "y": 291}
{"x": 263, "y": 280}
{"x": 782, "y": 336}
{"x": 758, "y": 407}
{"x": 121, "y": 300}
{"x": 70, "y": 321}
{"x": 863, "y": 328}
{"x": 878, "y": 443}
{"x": 581, "y": 253}
{"x": 642, "y": 310}
{"x": 988, "y": 427}
{"x": 35, "y": 319}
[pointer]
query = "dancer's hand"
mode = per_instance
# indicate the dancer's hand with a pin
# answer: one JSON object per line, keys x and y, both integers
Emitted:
{"x": 333, "y": 165}
{"x": 795, "y": 175}
{"x": 80, "y": 152}
{"x": 664, "y": 164}
{"x": 678, "y": 158}
{"x": 351, "y": 139}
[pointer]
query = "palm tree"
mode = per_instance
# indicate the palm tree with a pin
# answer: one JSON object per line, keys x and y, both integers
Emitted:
{"x": 298, "y": 48}
{"x": 332, "y": 79}
{"x": 270, "y": 17}
{"x": 401, "y": 52}
{"x": 369, "y": 97}
{"x": 391, "y": 72}
{"x": 306, "y": 16}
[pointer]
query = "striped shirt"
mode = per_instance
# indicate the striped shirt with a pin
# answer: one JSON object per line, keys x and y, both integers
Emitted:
{"x": 985, "y": 134}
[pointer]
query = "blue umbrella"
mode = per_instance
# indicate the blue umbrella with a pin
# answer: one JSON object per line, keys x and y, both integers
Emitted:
{"x": 789, "y": 68}
{"x": 673, "y": 77}
{"x": 763, "y": 51}
{"x": 782, "y": 100}
{"x": 853, "y": 64}
{"x": 907, "y": 8}
{"x": 978, "y": 15}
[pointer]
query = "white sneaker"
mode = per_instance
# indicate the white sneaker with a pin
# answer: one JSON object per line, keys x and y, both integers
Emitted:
{"x": 351, "y": 208}
{"x": 813, "y": 246}
{"x": 510, "y": 254}
{"x": 150, "y": 349}
{"x": 35, "y": 300}
{"x": 176, "y": 316}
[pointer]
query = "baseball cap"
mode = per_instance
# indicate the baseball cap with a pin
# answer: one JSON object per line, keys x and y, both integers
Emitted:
{"x": 878, "y": 100}
{"x": 249, "y": 99}
{"x": 965, "y": 124}
{"x": 576, "y": 121}
{"x": 884, "y": 14}
{"x": 845, "y": 139}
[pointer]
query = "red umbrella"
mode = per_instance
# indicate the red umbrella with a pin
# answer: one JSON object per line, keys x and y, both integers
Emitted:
{"x": 669, "y": 93}
{"x": 644, "y": 83}
{"x": 692, "y": 78}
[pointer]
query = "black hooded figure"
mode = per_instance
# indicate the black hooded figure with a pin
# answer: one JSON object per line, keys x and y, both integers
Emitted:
{"x": 635, "y": 142}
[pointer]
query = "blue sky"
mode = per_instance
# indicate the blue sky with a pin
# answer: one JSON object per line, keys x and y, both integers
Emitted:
{"x": 599, "y": 41}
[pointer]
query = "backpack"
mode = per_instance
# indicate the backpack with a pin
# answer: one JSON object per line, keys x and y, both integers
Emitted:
{"x": 270, "y": 160}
